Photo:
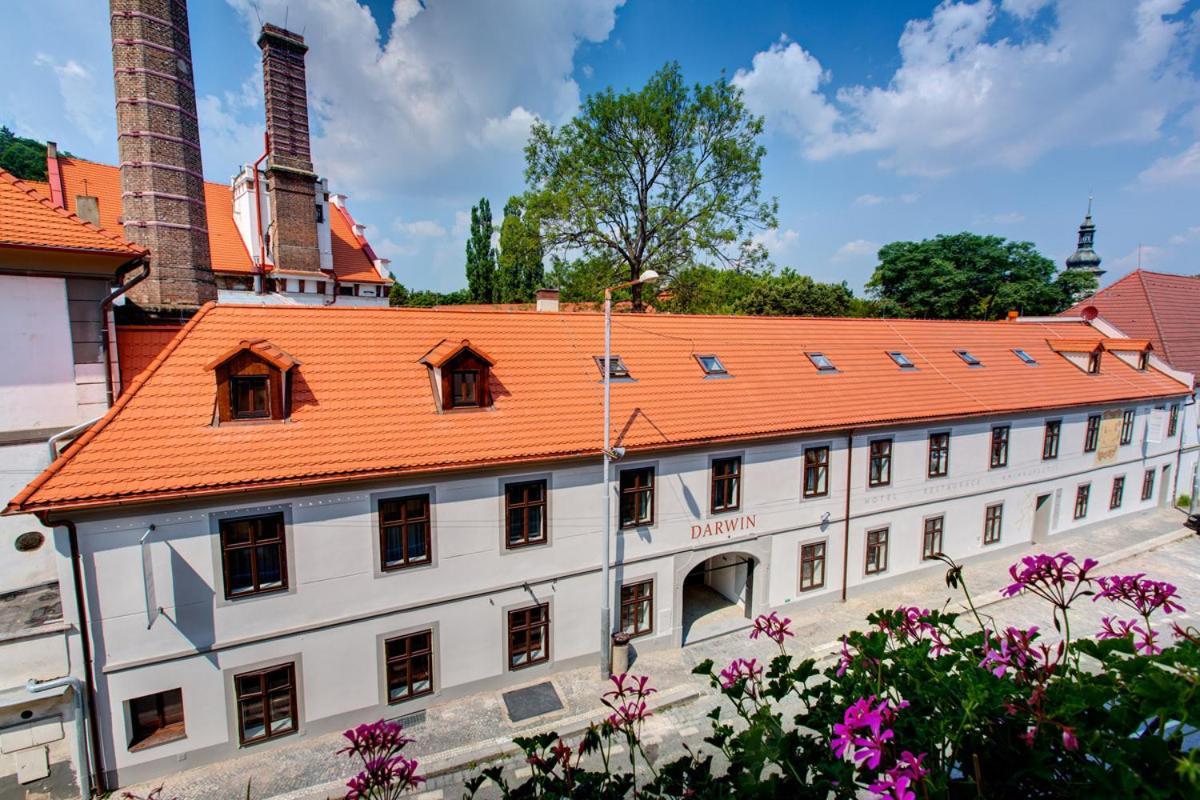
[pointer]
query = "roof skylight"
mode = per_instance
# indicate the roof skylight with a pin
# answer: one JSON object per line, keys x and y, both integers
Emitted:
{"x": 902, "y": 361}
{"x": 970, "y": 360}
{"x": 711, "y": 365}
{"x": 821, "y": 362}
{"x": 1028, "y": 359}
{"x": 616, "y": 367}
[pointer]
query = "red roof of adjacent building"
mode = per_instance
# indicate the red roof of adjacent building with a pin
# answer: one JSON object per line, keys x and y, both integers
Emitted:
{"x": 352, "y": 260}
{"x": 30, "y": 221}
{"x": 139, "y": 345}
{"x": 1157, "y": 306}
{"x": 363, "y": 405}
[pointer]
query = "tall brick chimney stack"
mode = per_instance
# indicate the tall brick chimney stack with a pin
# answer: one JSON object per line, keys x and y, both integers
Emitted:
{"x": 162, "y": 183}
{"x": 291, "y": 181}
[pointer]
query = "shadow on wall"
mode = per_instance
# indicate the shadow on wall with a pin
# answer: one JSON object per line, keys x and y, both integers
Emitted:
{"x": 193, "y": 617}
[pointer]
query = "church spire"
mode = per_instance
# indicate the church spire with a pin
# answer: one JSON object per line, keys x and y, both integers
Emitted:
{"x": 1085, "y": 258}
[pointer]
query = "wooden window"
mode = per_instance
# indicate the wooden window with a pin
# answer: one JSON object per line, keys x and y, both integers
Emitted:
{"x": 528, "y": 636}
{"x": 156, "y": 719}
{"x": 249, "y": 397}
{"x": 993, "y": 521}
{"x": 464, "y": 388}
{"x": 525, "y": 513}
{"x": 637, "y": 497}
{"x": 1118, "y": 492}
{"x": 877, "y": 551}
{"x": 999, "y": 456}
{"x": 1081, "y": 500}
{"x": 812, "y": 566}
{"x": 1173, "y": 420}
{"x": 931, "y": 545}
{"x": 254, "y": 555}
{"x": 1148, "y": 484}
{"x": 637, "y": 608}
{"x": 1092, "y": 436}
{"x": 1050, "y": 440}
{"x": 879, "y": 469}
{"x": 1093, "y": 366}
{"x": 408, "y": 665}
{"x": 266, "y": 703}
{"x": 405, "y": 537}
{"x": 726, "y": 492}
{"x": 816, "y": 471}
{"x": 939, "y": 455}
{"x": 1127, "y": 426}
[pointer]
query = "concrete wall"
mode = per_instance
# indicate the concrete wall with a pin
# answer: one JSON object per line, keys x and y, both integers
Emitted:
{"x": 339, "y": 605}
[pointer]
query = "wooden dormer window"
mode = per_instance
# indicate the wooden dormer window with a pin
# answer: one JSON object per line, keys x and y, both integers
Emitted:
{"x": 254, "y": 382}
{"x": 1093, "y": 363}
{"x": 460, "y": 374}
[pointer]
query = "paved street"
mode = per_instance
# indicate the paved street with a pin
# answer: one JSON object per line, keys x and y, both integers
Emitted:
{"x": 306, "y": 769}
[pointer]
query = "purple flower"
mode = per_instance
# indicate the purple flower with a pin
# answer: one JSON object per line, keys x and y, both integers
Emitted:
{"x": 773, "y": 627}
{"x": 740, "y": 669}
{"x": 1058, "y": 579}
{"x": 384, "y": 772}
{"x": 1139, "y": 593}
{"x": 1014, "y": 652}
{"x": 627, "y": 700}
{"x": 897, "y": 782}
{"x": 1069, "y": 740}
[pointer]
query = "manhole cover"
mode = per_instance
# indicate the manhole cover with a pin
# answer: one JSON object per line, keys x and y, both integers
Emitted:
{"x": 532, "y": 701}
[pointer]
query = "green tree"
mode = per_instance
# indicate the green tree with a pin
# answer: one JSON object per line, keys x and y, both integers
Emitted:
{"x": 792, "y": 294}
{"x": 967, "y": 276}
{"x": 481, "y": 256}
{"x": 652, "y": 178}
{"x": 704, "y": 289}
{"x": 583, "y": 280}
{"x": 24, "y": 158}
{"x": 519, "y": 270}
{"x": 425, "y": 298}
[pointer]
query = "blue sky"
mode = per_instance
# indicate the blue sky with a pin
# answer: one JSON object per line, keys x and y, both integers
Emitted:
{"x": 885, "y": 120}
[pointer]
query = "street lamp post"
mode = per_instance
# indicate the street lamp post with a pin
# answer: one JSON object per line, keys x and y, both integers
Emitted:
{"x": 649, "y": 276}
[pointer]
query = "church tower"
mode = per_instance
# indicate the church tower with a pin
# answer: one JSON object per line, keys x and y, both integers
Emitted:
{"x": 1085, "y": 258}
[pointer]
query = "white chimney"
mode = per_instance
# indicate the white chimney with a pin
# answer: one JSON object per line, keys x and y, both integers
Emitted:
{"x": 547, "y": 299}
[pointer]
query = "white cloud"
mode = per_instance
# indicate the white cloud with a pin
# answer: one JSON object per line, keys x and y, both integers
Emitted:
{"x": 1180, "y": 168}
{"x": 1185, "y": 237}
{"x": 963, "y": 97}
{"x": 869, "y": 200}
{"x": 909, "y": 198}
{"x": 1147, "y": 256}
{"x": 779, "y": 243}
{"x": 231, "y": 127}
{"x": 446, "y": 101}
{"x": 421, "y": 228}
{"x": 81, "y": 97}
{"x": 857, "y": 250}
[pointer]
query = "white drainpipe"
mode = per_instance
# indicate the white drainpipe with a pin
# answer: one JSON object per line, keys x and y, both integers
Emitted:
{"x": 34, "y": 686}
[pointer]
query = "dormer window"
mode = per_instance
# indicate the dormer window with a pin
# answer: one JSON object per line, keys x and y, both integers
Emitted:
{"x": 1093, "y": 364}
{"x": 460, "y": 374}
{"x": 968, "y": 359}
{"x": 821, "y": 362}
{"x": 1144, "y": 360}
{"x": 711, "y": 365}
{"x": 902, "y": 361}
{"x": 254, "y": 382}
{"x": 616, "y": 367}
{"x": 1025, "y": 357}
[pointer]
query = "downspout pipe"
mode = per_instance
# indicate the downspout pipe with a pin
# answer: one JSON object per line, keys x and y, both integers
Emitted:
{"x": 34, "y": 686}
{"x": 261, "y": 287}
{"x": 846, "y": 531}
{"x": 89, "y": 682}
{"x": 69, "y": 433}
{"x": 106, "y": 305}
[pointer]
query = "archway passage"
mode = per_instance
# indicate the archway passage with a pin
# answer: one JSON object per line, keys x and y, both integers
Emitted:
{"x": 717, "y": 596}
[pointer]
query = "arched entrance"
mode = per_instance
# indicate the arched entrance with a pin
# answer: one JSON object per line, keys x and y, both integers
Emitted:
{"x": 717, "y": 596}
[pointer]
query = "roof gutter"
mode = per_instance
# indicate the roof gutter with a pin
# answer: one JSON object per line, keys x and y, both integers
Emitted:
{"x": 106, "y": 306}
{"x": 69, "y": 433}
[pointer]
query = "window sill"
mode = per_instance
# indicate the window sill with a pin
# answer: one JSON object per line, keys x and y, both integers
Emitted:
{"x": 171, "y": 733}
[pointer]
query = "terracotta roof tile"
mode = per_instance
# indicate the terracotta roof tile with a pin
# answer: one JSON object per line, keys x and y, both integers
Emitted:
{"x": 363, "y": 405}
{"x": 1157, "y": 306}
{"x": 29, "y": 220}
{"x": 139, "y": 345}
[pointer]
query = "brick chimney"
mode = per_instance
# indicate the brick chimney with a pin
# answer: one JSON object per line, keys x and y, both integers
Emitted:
{"x": 162, "y": 183}
{"x": 291, "y": 181}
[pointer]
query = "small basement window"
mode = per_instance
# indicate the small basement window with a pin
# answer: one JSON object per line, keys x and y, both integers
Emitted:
{"x": 821, "y": 362}
{"x": 711, "y": 365}
{"x": 616, "y": 367}
{"x": 1025, "y": 357}
{"x": 156, "y": 719}
{"x": 970, "y": 360}
{"x": 902, "y": 361}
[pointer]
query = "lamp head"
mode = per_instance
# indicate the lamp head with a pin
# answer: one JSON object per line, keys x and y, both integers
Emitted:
{"x": 649, "y": 276}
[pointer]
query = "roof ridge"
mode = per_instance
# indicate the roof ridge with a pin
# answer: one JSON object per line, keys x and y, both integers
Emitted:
{"x": 126, "y": 397}
{"x": 36, "y": 196}
{"x": 1153, "y": 313}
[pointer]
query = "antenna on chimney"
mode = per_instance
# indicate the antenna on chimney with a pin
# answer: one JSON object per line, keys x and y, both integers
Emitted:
{"x": 1139, "y": 255}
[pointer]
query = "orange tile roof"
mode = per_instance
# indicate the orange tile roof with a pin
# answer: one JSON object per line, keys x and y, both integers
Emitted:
{"x": 225, "y": 243}
{"x": 446, "y": 349}
{"x": 261, "y": 348}
{"x": 28, "y": 220}
{"x": 1075, "y": 345}
{"x": 139, "y": 345}
{"x": 363, "y": 406}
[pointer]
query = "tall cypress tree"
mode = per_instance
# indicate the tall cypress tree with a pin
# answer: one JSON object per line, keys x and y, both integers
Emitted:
{"x": 520, "y": 271}
{"x": 481, "y": 256}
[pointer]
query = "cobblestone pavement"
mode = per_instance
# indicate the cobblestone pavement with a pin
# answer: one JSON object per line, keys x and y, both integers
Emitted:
{"x": 1154, "y": 543}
